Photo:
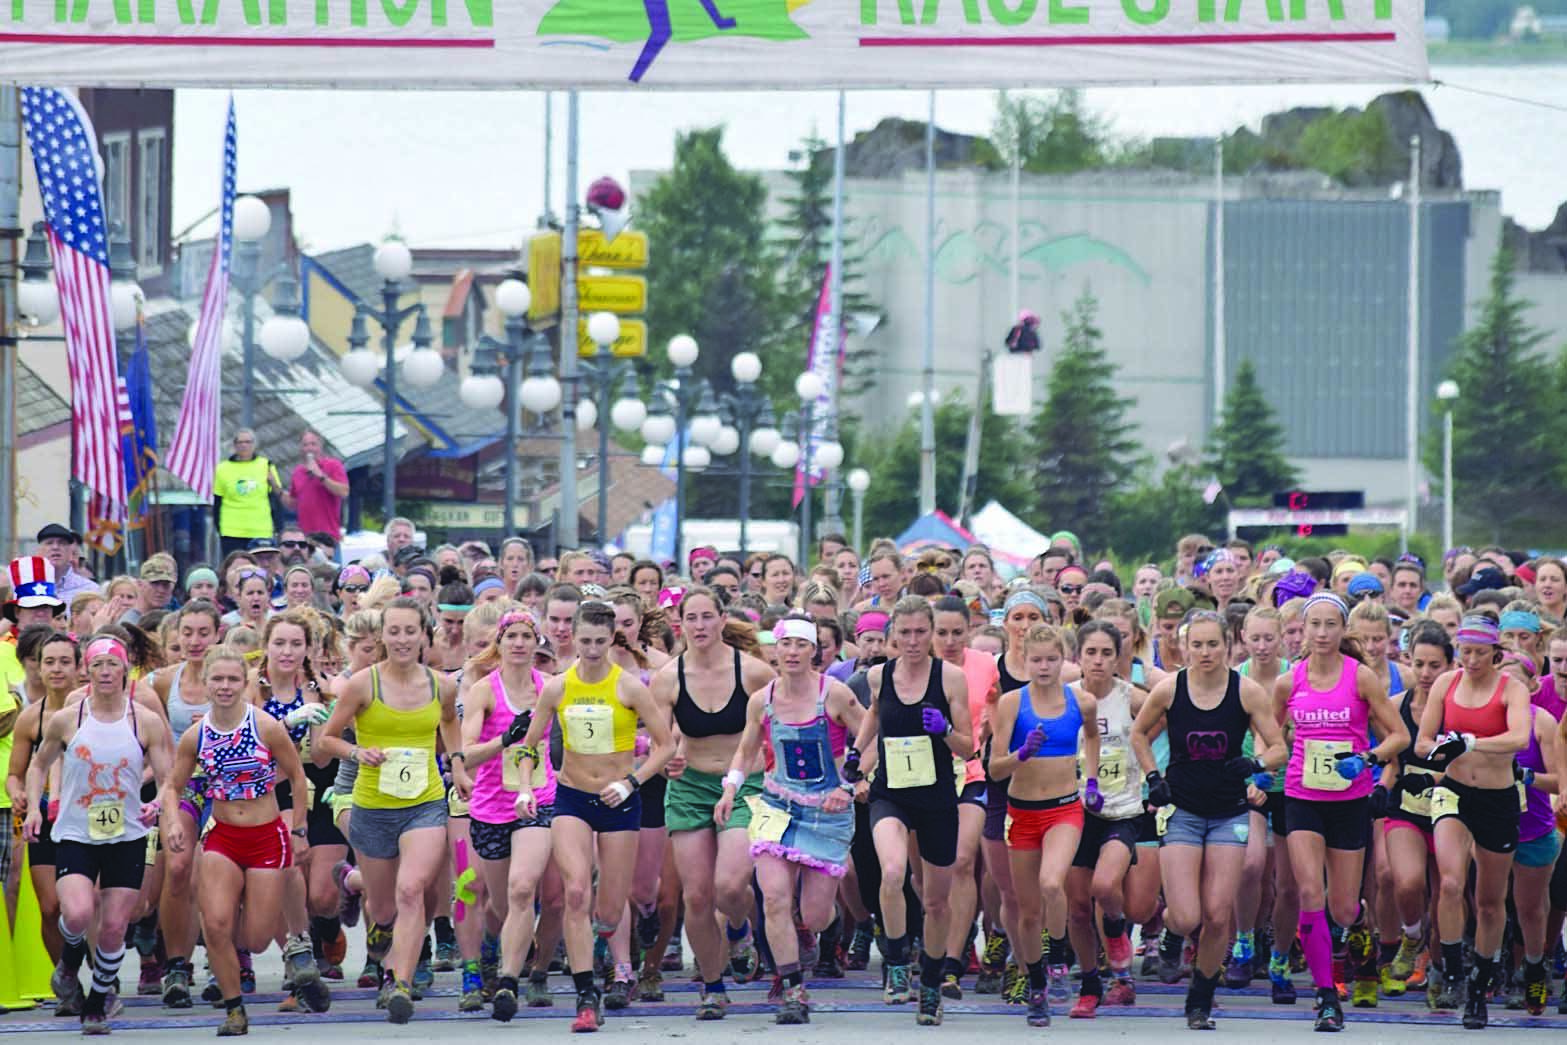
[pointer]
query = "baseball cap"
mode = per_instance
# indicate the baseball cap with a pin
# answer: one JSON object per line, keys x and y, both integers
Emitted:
{"x": 1172, "y": 603}
{"x": 158, "y": 568}
{"x": 1487, "y": 579}
{"x": 262, "y": 544}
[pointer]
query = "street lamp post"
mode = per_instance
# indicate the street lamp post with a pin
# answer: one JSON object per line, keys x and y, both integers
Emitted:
{"x": 859, "y": 481}
{"x": 1447, "y": 392}
{"x": 601, "y": 374}
{"x": 694, "y": 424}
{"x": 423, "y": 366}
{"x": 825, "y": 454}
{"x": 749, "y": 415}
{"x": 284, "y": 335}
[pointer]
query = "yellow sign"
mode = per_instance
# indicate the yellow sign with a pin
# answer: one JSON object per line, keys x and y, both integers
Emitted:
{"x": 626, "y": 251}
{"x": 620, "y": 294}
{"x": 544, "y": 276}
{"x": 631, "y": 343}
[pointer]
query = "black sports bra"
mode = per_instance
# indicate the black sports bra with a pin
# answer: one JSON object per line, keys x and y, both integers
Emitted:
{"x": 726, "y": 721}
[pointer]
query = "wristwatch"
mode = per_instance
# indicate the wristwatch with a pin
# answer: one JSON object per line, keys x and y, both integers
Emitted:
{"x": 300, "y": 832}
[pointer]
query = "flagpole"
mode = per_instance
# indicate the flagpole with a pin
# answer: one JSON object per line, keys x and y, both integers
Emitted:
{"x": 11, "y": 229}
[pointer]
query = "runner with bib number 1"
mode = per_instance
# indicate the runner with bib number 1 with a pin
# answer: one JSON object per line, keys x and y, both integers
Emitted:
{"x": 919, "y": 717}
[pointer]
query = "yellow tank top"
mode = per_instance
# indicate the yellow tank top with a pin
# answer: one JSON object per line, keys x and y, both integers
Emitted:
{"x": 409, "y": 776}
{"x": 595, "y": 720}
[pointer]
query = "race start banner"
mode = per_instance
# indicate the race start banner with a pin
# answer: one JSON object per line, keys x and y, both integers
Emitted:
{"x": 696, "y": 44}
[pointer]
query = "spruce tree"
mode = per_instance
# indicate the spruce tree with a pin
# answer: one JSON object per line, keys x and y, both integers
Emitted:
{"x": 1246, "y": 448}
{"x": 1504, "y": 453}
{"x": 1083, "y": 446}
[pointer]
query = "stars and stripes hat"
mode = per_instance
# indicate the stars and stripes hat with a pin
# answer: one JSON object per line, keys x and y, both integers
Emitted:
{"x": 32, "y": 583}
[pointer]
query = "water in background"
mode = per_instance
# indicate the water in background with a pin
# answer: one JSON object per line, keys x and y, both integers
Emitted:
{"x": 466, "y": 168}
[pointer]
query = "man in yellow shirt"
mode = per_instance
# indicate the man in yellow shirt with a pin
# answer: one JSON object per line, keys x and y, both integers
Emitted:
{"x": 242, "y": 486}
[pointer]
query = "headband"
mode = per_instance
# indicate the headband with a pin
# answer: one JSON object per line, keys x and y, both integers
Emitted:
{"x": 1519, "y": 658}
{"x": 488, "y": 584}
{"x": 351, "y": 572}
{"x": 1329, "y": 599}
{"x": 795, "y": 629}
{"x": 698, "y": 554}
{"x": 1478, "y": 630}
{"x": 870, "y": 620}
{"x": 1024, "y": 598}
{"x": 1520, "y": 620}
{"x": 106, "y": 646}
{"x": 669, "y": 598}
{"x": 511, "y": 617}
{"x": 453, "y": 607}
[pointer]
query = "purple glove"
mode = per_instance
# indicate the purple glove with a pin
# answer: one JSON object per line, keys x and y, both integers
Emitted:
{"x": 1093, "y": 801}
{"x": 1031, "y": 744}
{"x": 935, "y": 722}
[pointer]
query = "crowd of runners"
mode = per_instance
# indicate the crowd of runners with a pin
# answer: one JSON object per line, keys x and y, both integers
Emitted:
{"x": 1334, "y": 776}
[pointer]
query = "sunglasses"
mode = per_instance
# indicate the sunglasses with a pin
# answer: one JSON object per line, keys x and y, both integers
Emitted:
{"x": 356, "y": 589}
{"x": 245, "y": 575}
{"x": 295, "y": 544}
{"x": 755, "y": 575}
{"x": 1071, "y": 589}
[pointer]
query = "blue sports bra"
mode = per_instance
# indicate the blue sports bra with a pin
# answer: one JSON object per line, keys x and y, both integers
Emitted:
{"x": 1061, "y": 731}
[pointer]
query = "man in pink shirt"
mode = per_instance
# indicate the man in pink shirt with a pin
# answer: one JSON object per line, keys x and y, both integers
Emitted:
{"x": 317, "y": 488}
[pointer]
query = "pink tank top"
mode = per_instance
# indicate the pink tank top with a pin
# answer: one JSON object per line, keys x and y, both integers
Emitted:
{"x": 492, "y": 803}
{"x": 1326, "y": 723}
{"x": 980, "y": 672}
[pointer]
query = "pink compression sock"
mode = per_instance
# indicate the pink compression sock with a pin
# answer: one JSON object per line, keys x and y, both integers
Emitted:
{"x": 1317, "y": 944}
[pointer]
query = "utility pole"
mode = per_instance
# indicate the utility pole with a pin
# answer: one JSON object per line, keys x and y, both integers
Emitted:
{"x": 10, "y": 240}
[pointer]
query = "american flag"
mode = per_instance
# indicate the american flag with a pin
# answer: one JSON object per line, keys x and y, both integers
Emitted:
{"x": 194, "y": 454}
{"x": 65, "y": 155}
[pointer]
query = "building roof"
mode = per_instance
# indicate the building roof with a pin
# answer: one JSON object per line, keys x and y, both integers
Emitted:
{"x": 37, "y": 405}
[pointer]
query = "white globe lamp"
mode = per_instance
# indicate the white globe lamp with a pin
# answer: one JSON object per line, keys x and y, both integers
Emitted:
{"x": 360, "y": 367}
{"x": 482, "y": 392}
{"x": 809, "y": 386}
{"x": 653, "y": 455}
{"x": 513, "y": 297}
{"x": 746, "y": 367}
{"x": 764, "y": 441}
{"x": 658, "y": 428}
{"x": 252, "y": 219}
{"x": 38, "y": 300}
{"x": 423, "y": 367}
{"x": 587, "y": 415}
{"x": 697, "y": 457}
{"x": 540, "y": 394}
{"x": 829, "y": 455}
{"x": 393, "y": 261}
{"x": 682, "y": 350}
{"x": 728, "y": 441}
{"x": 859, "y": 480}
{"x": 603, "y": 328}
{"x": 285, "y": 337}
{"x": 786, "y": 454}
{"x": 628, "y": 414}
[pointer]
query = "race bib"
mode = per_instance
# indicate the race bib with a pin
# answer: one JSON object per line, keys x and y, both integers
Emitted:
{"x": 767, "y": 824}
{"x": 152, "y": 847}
{"x": 304, "y": 748}
{"x": 910, "y": 762}
{"x": 511, "y": 770}
{"x": 1319, "y": 768}
{"x": 105, "y": 819}
{"x": 406, "y": 772}
{"x": 1161, "y": 819}
{"x": 590, "y": 728}
{"x": 959, "y": 773}
{"x": 1416, "y": 803}
{"x": 455, "y": 806}
{"x": 1523, "y": 797}
{"x": 1444, "y": 802}
{"x": 1112, "y": 771}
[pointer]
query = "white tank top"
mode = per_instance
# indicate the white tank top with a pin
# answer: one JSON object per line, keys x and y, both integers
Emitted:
{"x": 100, "y": 780}
{"x": 1120, "y": 779}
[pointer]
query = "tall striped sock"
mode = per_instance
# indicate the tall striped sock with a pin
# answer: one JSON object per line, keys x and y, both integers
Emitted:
{"x": 75, "y": 951}
{"x": 106, "y": 967}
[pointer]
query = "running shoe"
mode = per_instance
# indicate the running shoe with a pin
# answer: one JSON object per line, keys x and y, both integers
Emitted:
{"x": 472, "y": 1000}
{"x": 1443, "y": 995}
{"x": 859, "y": 955}
{"x": 424, "y": 975}
{"x": 348, "y": 901}
{"x": 1170, "y": 970}
{"x": 1475, "y": 1016}
{"x": 809, "y": 950}
{"x": 618, "y": 995}
{"x": 1403, "y": 964}
{"x": 951, "y": 987}
{"x": 1038, "y": 1009}
{"x": 674, "y": 958}
{"x": 330, "y": 972}
{"x": 504, "y": 1005}
{"x": 538, "y": 993}
{"x": 1199, "y": 1019}
{"x": 1283, "y": 987}
{"x": 1364, "y": 994}
{"x": 1330, "y": 1011}
{"x": 400, "y": 1002}
{"x": 1060, "y": 984}
{"x": 897, "y": 990}
{"x": 1085, "y": 1007}
{"x": 987, "y": 982}
{"x": 446, "y": 956}
{"x": 371, "y": 975}
{"x": 1119, "y": 950}
{"x": 151, "y": 979}
{"x": 794, "y": 1008}
{"x": 235, "y": 1024}
{"x": 646, "y": 929}
{"x": 745, "y": 964}
{"x": 650, "y": 985}
{"x": 312, "y": 990}
{"x": 929, "y": 1014}
{"x": 711, "y": 1005}
{"x": 67, "y": 988}
{"x": 1237, "y": 971}
{"x": 1536, "y": 993}
{"x": 176, "y": 987}
{"x": 828, "y": 967}
{"x": 590, "y": 1014}
{"x": 333, "y": 951}
{"x": 212, "y": 994}
{"x": 247, "y": 973}
{"x": 95, "y": 1023}
{"x": 1122, "y": 991}
{"x": 1391, "y": 985}
{"x": 1417, "y": 979}
{"x": 291, "y": 1003}
{"x": 1014, "y": 986}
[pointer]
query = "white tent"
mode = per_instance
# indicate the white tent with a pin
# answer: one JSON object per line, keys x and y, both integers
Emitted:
{"x": 1011, "y": 540}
